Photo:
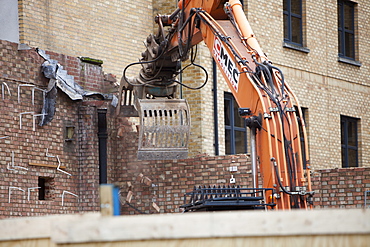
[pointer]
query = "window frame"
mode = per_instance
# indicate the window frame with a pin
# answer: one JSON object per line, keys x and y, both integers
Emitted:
{"x": 304, "y": 111}
{"x": 342, "y": 31}
{"x": 345, "y": 147}
{"x": 232, "y": 128}
{"x": 289, "y": 15}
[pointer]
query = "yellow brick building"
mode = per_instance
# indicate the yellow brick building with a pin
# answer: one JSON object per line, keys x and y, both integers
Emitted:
{"x": 107, "y": 30}
{"x": 332, "y": 88}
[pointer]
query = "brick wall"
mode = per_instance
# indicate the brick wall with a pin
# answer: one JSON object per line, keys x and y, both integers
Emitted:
{"x": 165, "y": 182}
{"x": 327, "y": 88}
{"x": 201, "y": 104}
{"x": 157, "y": 186}
{"x": 162, "y": 184}
{"x": 30, "y": 144}
{"x": 109, "y": 31}
{"x": 341, "y": 188}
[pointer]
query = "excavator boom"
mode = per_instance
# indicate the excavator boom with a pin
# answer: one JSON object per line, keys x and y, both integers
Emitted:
{"x": 266, "y": 101}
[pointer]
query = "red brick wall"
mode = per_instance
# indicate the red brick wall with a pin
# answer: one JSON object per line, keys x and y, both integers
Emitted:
{"x": 78, "y": 156}
{"x": 341, "y": 188}
{"x": 88, "y": 159}
{"x": 165, "y": 182}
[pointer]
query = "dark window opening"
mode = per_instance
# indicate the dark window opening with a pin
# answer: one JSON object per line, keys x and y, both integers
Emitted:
{"x": 45, "y": 185}
{"x": 349, "y": 141}
{"x": 292, "y": 11}
{"x": 346, "y": 29}
{"x": 69, "y": 133}
{"x": 235, "y": 128}
{"x": 304, "y": 116}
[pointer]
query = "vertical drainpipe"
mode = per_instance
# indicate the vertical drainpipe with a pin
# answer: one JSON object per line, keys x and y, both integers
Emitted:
{"x": 254, "y": 156}
{"x": 102, "y": 136}
{"x": 215, "y": 108}
{"x": 181, "y": 92}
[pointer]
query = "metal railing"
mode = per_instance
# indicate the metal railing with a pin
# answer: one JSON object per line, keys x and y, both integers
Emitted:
{"x": 367, "y": 199}
{"x": 227, "y": 198}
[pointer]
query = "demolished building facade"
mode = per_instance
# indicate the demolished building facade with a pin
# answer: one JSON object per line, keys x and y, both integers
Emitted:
{"x": 57, "y": 168}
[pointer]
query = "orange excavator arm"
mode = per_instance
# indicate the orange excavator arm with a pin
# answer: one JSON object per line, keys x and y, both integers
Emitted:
{"x": 272, "y": 111}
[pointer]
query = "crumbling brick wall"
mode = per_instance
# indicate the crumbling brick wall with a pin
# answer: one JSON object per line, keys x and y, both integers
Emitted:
{"x": 38, "y": 151}
{"x": 156, "y": 186}
{"x": 159, "y": 186}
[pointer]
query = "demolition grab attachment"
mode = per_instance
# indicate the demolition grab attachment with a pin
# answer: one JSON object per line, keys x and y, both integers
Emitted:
{"x": 164, "y": 129}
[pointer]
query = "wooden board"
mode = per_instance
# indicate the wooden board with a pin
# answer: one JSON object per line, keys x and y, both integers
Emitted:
{"x": 332, "y": 227}
{"x": 46, "y": 165}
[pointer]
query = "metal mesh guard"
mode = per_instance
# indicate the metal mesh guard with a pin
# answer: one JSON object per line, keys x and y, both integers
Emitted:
{"x": 164, "y": 129}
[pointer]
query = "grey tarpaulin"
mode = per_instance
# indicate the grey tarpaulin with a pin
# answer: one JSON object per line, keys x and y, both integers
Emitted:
{"x": 48, "y": 108}
{"x": 60, "y": 78}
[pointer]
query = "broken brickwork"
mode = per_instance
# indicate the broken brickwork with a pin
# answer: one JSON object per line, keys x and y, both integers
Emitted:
{"x": 31, "y": 156}
{"x": 159, "y": 186}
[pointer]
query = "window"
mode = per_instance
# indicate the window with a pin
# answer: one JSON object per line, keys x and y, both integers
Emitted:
{"x": 349, "y": 141}
{"x": 293, "y": 21}
{"x": 46, "y": 188}
{"x": 304, "y": 115}
{"x": 346, "y": 29}
{"x": 69, "y": 133}
{"x": 235, "y": 128}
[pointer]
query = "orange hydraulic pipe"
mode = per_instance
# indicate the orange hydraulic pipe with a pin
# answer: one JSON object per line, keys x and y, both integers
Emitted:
{"x": 246, "y": 29}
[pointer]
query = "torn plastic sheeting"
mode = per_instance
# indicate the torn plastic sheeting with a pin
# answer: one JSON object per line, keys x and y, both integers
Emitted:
{"x": 49, "y": 69}
{"x": 60, "y": 78}
{"x": 53, "y": 70}
{"x": 48, "y": 108}
{"x": 67, "y": 84}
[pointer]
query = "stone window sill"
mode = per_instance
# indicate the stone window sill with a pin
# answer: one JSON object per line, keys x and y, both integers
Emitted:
{"x": 295, "y": 47}
{"x": 349, "y": 61}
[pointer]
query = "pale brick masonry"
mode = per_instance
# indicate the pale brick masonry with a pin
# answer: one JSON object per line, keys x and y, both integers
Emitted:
{"x": 111, "y": 31}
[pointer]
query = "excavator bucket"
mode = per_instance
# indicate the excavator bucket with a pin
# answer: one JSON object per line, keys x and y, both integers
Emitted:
{"x": 164, "y": 129}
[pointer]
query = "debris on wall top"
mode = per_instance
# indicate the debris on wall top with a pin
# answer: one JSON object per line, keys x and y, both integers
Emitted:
{"x": 59, "y": 78}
